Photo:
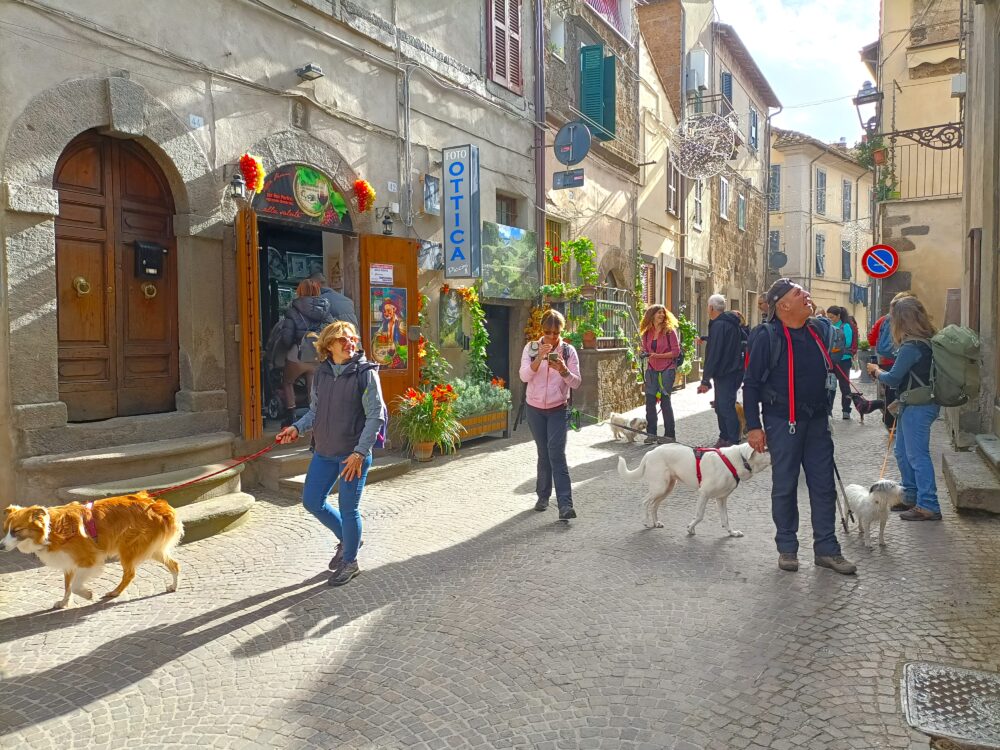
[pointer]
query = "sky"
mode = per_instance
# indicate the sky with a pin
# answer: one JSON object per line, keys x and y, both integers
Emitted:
{"x": 808, "y": 51}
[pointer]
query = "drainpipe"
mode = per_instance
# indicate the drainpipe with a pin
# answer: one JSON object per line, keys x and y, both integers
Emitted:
{"x": 857, "y": 214}
{"x": 540, "y": 139}
{"x": 678, "y": 294}
{"x": 767, "y": 197}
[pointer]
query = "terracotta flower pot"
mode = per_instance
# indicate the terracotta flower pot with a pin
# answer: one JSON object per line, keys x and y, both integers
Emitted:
{"x": 423, "y": 451}
{"x": 588, "y": 291}
{"x": 589, "y": 340}
{"x": 879, "y": 156}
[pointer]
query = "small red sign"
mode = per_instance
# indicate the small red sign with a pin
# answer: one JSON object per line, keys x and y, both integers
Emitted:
{"x": 880, "y": 261}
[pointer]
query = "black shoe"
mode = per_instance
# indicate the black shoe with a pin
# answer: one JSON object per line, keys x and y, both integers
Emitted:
{"x": 847, "y": 415}
{"x": 566, "y": 513}
{"x": 542, "y": 504}
{"x": 651, "y": 440}
{"x": 345, "y": 574}
{"x": 338, "y": 556}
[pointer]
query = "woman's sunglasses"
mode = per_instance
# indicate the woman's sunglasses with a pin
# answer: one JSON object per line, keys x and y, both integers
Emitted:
{"x": 345, "y": 340}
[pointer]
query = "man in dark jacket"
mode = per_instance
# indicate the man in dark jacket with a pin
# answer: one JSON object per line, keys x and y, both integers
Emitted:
{"x": 723, "y": 367}
{"x": 341, "y": 307}
{"x": 796, "y": 427}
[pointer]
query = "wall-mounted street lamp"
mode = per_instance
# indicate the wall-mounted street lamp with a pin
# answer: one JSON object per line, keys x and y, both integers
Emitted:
{"x": 868, "y": 96}
{"x": 386, "y": 214}
{"x": 309, "y": 72}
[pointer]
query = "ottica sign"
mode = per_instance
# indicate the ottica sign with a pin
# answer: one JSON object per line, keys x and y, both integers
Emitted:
{"x": 460, "y": 210}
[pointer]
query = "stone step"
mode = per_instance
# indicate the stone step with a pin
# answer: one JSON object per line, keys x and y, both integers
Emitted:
{"x": 385, "y": 467}
{"x": 227, "y": 482}
{"x": 215, "y": 515}
{"x": 282, "y": 463}
{"x": 973, "y": 485}
{"x": 41, "y": 476}
{"x": 989, "y": 448}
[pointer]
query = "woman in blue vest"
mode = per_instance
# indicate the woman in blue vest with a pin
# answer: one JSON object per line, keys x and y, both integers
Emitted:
{"x": 346, "y": 415}
{"x": 911, "y": 330}
{"x": 842, "y": 359}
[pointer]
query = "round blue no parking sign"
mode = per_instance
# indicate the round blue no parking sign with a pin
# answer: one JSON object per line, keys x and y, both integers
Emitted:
{"x": 880, "y": 261}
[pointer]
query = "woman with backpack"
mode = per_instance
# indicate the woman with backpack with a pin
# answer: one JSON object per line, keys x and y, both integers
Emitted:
{"x": 661, "y": 347}
{"x": 880, "y": 339}
{"x": 308, "y": 313}
{"x": 911, "y": 332}
{"x": 347, "y": 417}
{"x": 842, "y": 358}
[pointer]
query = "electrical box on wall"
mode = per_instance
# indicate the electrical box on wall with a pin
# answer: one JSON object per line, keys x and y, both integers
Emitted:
{"x": 149, "y": 260}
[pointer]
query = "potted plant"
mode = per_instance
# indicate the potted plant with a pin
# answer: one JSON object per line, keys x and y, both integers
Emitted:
{"x": 864, "y": 357}
{"x": 584, "y": 253}
{"x": 590, "y": 325}
{"x": 553, "y": 292}
{"x": 426, "y": 419}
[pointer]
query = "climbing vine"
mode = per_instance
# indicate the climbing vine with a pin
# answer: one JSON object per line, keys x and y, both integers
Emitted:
{"x": 478, "y": 370}
{"x": 434, "y": 368}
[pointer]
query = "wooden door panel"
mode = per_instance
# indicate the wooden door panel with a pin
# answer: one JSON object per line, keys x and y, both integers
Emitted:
{"x": 84, "y": 318}
{"x": 82, "y": 168}
{"x": 401, "y": 254}
{"x": 78, "y": 215}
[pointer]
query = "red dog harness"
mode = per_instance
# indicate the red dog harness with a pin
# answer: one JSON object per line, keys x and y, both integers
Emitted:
{"x": 89, "y": 524}
{"x": 699, "y": 454}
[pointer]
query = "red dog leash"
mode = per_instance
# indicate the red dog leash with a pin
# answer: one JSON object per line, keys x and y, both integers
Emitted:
{"x": 234, "y": 464}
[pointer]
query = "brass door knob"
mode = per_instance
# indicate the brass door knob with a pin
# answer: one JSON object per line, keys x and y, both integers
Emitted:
{"x": 81, "y": 285}
{"x": 148, "y": 290}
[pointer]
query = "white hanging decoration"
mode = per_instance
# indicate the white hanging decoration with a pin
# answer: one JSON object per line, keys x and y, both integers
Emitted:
{"x": 701, "y": 145}
{"x": 857, "y": 232}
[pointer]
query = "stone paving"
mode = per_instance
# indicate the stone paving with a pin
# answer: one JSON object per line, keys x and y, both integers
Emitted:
{"x": 479, "y": 623}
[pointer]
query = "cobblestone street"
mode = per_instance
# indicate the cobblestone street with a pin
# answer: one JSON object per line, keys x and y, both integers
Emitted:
{"x": 479, "y": 623}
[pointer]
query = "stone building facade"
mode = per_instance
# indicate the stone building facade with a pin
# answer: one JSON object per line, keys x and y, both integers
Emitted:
{"x": 112, "y": 145}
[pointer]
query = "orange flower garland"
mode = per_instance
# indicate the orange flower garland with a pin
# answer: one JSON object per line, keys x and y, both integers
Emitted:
{"x": 365, "y": 195}
{"x": 252, "y": 169}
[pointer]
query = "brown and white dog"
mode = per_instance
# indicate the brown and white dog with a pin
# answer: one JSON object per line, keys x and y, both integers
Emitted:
{"x": 78, "y": 539}
{"x": 626, "y": 427}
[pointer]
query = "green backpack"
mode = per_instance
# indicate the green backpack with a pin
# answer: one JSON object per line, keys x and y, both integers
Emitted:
{"x": 954, "y": 369}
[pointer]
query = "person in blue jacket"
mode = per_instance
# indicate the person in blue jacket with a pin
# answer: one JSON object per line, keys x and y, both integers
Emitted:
{"x": 911, "y": 331}
{"x": 788, "y": 416}
{"x": 838, "y": 317}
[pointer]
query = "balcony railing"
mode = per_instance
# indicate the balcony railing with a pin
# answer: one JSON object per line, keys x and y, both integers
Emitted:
{"x": 915, "y": 171}
{"x": 618, "y": 308}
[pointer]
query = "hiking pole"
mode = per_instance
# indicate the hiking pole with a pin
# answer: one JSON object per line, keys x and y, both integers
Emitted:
{"x": 842, "y": 500}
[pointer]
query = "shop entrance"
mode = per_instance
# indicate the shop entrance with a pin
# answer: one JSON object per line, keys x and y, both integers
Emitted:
{"x": 498, "y": 350}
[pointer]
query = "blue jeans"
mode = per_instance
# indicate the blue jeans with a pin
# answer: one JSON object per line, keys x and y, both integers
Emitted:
{"x": 548, "y": 428}
{"x": 663, "y": 383}
{"x": 811, "y": 449}
{"x": 913, "y": 455}
{"x": 321, "y": 476}
{"x": 726, "y": 387}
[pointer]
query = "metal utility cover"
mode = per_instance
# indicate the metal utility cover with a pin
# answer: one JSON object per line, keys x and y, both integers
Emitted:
{"x": 572, "y": 143}
{"x": 959, "y": 704}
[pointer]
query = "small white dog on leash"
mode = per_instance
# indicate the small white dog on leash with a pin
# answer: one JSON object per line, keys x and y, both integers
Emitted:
{"x": 872, "y": 505}
{"x": 629, "y": 428}
{"x": 663, "y": 467}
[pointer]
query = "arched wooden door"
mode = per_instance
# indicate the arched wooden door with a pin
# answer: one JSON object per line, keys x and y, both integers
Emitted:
{"x": 117, "y": 322}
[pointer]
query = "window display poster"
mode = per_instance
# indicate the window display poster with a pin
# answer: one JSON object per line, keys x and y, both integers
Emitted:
{"x": 389, "y": 345}
{"x": 451, "y": 320}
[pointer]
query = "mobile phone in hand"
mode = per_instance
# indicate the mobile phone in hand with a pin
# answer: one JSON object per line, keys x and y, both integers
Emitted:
{"x": 553, "y": 357}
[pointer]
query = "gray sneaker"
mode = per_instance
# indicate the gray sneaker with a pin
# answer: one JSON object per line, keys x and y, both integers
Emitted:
{"x": 836, "y": 562}
{"x": 788, "y": 561}
{"x": 345, "y": 574}
{"x": 338, "y": 556}
{"x": 542, "y": 504}
{"x": 651, "y": 440}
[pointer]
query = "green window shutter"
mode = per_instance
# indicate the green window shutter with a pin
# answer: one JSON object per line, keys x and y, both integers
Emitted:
{"x": 609, "y": 99}
{"x": 592, "y": 96}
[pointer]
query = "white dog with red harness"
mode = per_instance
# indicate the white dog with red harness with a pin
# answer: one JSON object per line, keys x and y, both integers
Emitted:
{"x": 714, "y": 473}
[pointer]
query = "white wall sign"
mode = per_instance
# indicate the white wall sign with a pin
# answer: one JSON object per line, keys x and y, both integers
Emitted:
{"x": 462, "y": 226}
{"x": 380, "y": 274}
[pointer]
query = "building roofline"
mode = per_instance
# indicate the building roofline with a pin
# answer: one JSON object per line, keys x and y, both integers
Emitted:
{"x": 743, "y": 56}
{"x": 870, "y": 57}
{"x": 790, "y": 138}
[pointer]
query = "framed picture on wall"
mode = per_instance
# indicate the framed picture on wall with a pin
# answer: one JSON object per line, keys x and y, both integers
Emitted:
{"x": 286, "y": 294}
{"x": 298, "y": 265}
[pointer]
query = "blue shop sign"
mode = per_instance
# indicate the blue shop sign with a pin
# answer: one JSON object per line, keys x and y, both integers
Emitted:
{"x": 460, "y": 210}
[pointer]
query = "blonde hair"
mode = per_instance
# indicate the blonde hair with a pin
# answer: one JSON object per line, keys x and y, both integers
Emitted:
{"x": 551, "y": 318}
{"x": 650, "y": 314}
{"x": 910, "y": 321}
{"x": 898, "y": 297}
{"x": 337, "y": 329}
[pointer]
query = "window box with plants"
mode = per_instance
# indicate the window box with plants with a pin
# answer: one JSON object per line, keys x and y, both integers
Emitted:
{"x": 482, "y": 407}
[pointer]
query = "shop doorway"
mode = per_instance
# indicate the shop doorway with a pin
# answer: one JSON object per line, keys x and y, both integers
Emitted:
{"x": 116, "y": 277}
{"x": 498, "y": 350}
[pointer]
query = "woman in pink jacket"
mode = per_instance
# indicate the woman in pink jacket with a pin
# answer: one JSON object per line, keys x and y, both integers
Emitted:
{"x": 550, "y": 367}
{"x": 661, "y": 347}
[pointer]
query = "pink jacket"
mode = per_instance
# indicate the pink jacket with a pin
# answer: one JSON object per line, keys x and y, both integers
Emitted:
{"x": 547, "y": 389}
{"x": 666, "y": 343}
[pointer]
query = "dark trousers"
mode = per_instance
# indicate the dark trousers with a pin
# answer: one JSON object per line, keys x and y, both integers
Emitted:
{"x": 843, "y": 373}
{"x": 726, "y": 388}
{"x": 548, "y": 428}
{"x": 662, "y": 383}
{"x": 890, "y": 395}
{"x": 811, "y": 449}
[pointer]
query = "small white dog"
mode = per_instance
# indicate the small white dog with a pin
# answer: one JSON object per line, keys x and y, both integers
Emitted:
{"x": 622, "y": 426}
{"x": 871, "y": 506}
{"x": 666, "y": 465}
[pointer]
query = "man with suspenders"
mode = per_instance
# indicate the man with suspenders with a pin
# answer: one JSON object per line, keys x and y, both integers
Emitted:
{"x": 786, "y": 378}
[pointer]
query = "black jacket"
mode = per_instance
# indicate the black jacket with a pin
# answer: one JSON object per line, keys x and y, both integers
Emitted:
{"x": 724, "y": 351}
{"x": 341, "y": 307}
{"x": 303, "y": 315}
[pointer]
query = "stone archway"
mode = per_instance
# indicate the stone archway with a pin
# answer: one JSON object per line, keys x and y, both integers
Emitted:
{"x": 120, "y": 108}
